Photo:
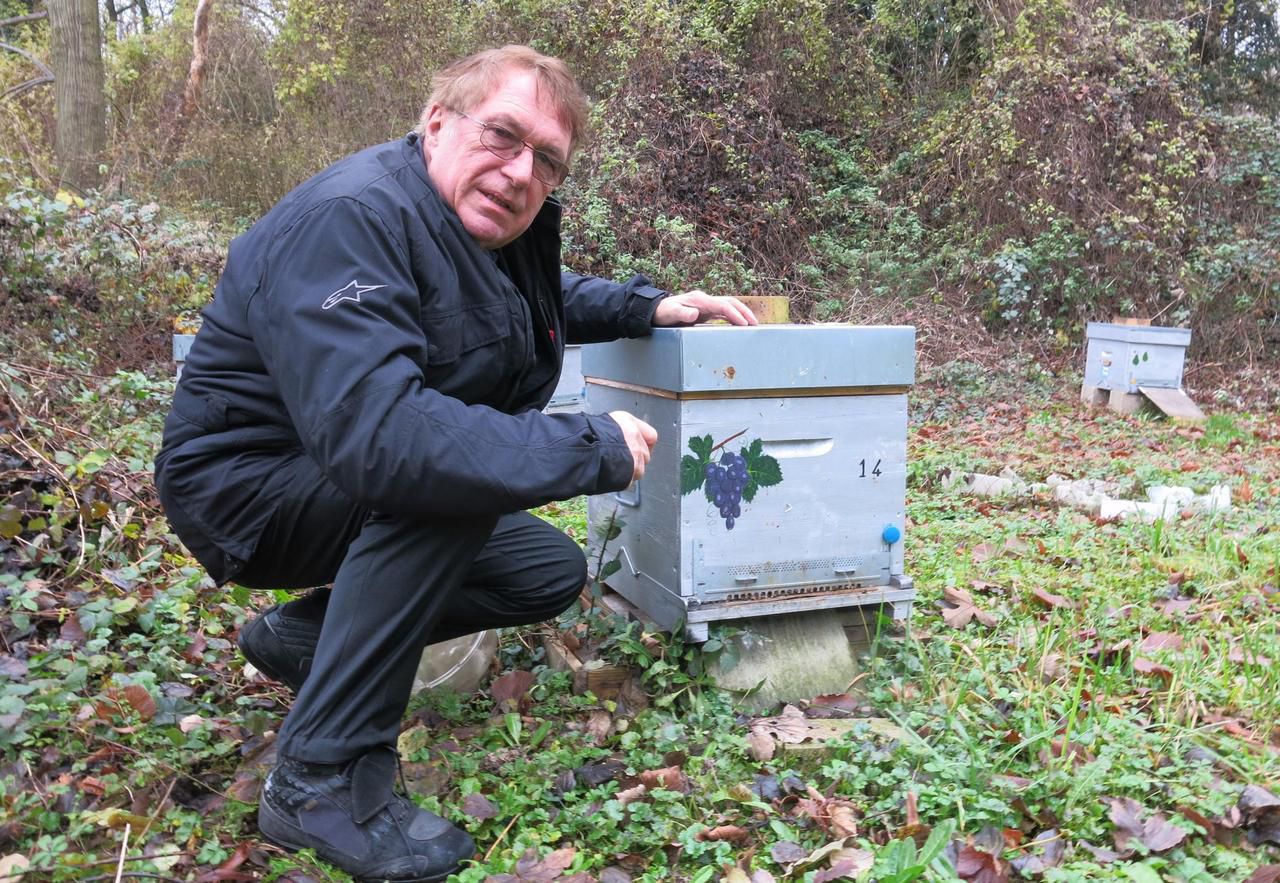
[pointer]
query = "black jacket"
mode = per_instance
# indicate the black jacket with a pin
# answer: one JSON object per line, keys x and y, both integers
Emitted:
{"x": 359, "y": 324}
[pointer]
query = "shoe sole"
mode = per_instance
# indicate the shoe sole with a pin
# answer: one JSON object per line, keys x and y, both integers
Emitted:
{"x": 276, "y": 820}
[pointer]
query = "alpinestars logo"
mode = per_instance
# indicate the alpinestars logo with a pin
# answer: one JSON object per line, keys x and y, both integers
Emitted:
{"x": 351, "y": 292}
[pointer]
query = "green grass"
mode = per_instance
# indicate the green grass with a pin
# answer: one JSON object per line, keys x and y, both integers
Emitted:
{"x": 124, "y": 702}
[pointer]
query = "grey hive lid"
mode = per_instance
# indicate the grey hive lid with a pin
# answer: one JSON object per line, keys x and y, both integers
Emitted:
{"x": 1148, "y": 334}
{"x": 710, "y": 358}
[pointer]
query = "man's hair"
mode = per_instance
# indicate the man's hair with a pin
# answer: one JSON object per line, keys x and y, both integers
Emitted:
{"x": 469, "y": 81}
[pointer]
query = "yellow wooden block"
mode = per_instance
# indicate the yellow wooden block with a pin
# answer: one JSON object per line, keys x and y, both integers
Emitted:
{"x": 769, "y": 309}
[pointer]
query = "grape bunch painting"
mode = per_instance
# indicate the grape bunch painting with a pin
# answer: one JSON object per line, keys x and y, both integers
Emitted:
{"x": 728, "y": 479}
{"x": 725, "y": 482}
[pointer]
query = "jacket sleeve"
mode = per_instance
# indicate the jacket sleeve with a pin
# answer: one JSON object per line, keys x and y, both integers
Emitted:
{"x": 597, "y": 310}
{"x": 337, "y": 321}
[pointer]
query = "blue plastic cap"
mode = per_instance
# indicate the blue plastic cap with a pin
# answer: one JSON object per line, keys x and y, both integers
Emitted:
{"x": 891, "y": 534}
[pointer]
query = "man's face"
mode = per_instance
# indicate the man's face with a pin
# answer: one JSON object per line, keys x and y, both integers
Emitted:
{"x": 497, "y": 199}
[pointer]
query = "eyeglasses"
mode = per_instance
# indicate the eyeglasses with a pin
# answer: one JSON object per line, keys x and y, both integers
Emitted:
{"x": 503, "y": 143}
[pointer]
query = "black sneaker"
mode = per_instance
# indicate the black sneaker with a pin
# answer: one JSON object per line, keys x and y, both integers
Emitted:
{"x": 281, "y": 641}
{"x": 352, "y": 817}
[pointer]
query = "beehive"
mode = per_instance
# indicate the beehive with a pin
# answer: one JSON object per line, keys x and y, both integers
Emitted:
{"x": 1126, "y": 357}
{"x": 818, "y": 416}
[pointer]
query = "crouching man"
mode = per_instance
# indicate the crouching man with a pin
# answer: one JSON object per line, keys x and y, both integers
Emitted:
{"x": 361, "y": 409}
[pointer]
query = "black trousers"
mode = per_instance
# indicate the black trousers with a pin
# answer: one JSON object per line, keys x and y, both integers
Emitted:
{"x": 398, "y": 585}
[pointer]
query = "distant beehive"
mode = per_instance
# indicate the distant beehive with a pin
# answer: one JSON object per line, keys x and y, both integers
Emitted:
{"x": 1126, "y": 357}
{"x": 570, "y": 391}
{"x": 181, "y": 346}
{"x": 779, "y": 481}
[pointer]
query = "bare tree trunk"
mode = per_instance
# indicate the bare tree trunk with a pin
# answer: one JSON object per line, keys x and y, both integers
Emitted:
{"x": 79, "y": 101}
{"x": 199, "y": 57}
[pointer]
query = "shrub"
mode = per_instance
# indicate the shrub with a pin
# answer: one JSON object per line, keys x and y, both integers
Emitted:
{"x": 98, "y": 276}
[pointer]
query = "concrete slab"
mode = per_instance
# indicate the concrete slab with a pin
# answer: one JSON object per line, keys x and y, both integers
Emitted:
{"x": 1126, "y": 402}
{"x": 1094, "y": 396}
{"x": 789, "y": 658}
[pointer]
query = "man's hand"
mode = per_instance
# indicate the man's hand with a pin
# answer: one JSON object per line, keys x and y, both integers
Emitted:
{"x": 695, "y": 306}
{"x": 640, "y": 436}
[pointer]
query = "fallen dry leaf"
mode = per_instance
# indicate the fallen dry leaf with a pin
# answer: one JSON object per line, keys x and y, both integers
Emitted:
{"x": 912, "y": 808}
{"x": 194, "y": 651}
{"x": 593, "y": 774}
{"x": 846, "y": 864}
{"x": 984, "y": 552}
{"x": 979, "y": 858}
{"x": 1259, "y": 811}
{"x": 834, "y": 814}
{"x": 631, "y": 795}
{"x": 12, "y": 866}
{"x": 1240, "y": 656}
{"x": 1175, "y": 606}
{"x": 980, "y": 867}
{"x": 1254, "y": 799}
{"x": 1145, "y": 666}
{"x": 531, "y": 869}
{"x": 1161, "y": 641}
{"x": 788, "y": 853}
{"x": 1017, "y": 545}
{"x": 479, "y": 807}
{"x": 72, "y": 632}
{"x": 1052, "y": 601}
{"x": 843, "y": 818}
{"x": 959, "y": 609}
{"x": 670, "y": 778}
{"x": 1051, "y": 668}
{"x": 510, "y": 691}
{"x": 598, "y": 725}
{"x": 727, "y": 833}
{"x": 791, "y": 727}
{"x": 1155, "y": 832}
{"x": 227, "y": 871}
{"x": 760, "y": 745}
{"x": 134, "y": 696}
{"x": 246, "y": 785}
{"x": 821, "y": 854}
{"x": 1053, "y": 846}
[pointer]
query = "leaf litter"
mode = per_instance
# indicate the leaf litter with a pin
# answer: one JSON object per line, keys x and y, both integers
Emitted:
{"x": 1189, "y": 594}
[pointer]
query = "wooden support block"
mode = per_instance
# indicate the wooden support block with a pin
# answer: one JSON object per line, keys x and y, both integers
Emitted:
{"x": 1094, "y": 396}
{"x": 601, "y": 678}
{"x": 612, "y": 604}
{"x": 1175, "y": 403}
{"x": 1130, "y": 320}
{"x": 604, "y": 679}
{"x": 560, "y": 657}
{"x": 1126, "y": 402}
{"x": 769, "y": 309}
{"x": 617, "y": 605}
